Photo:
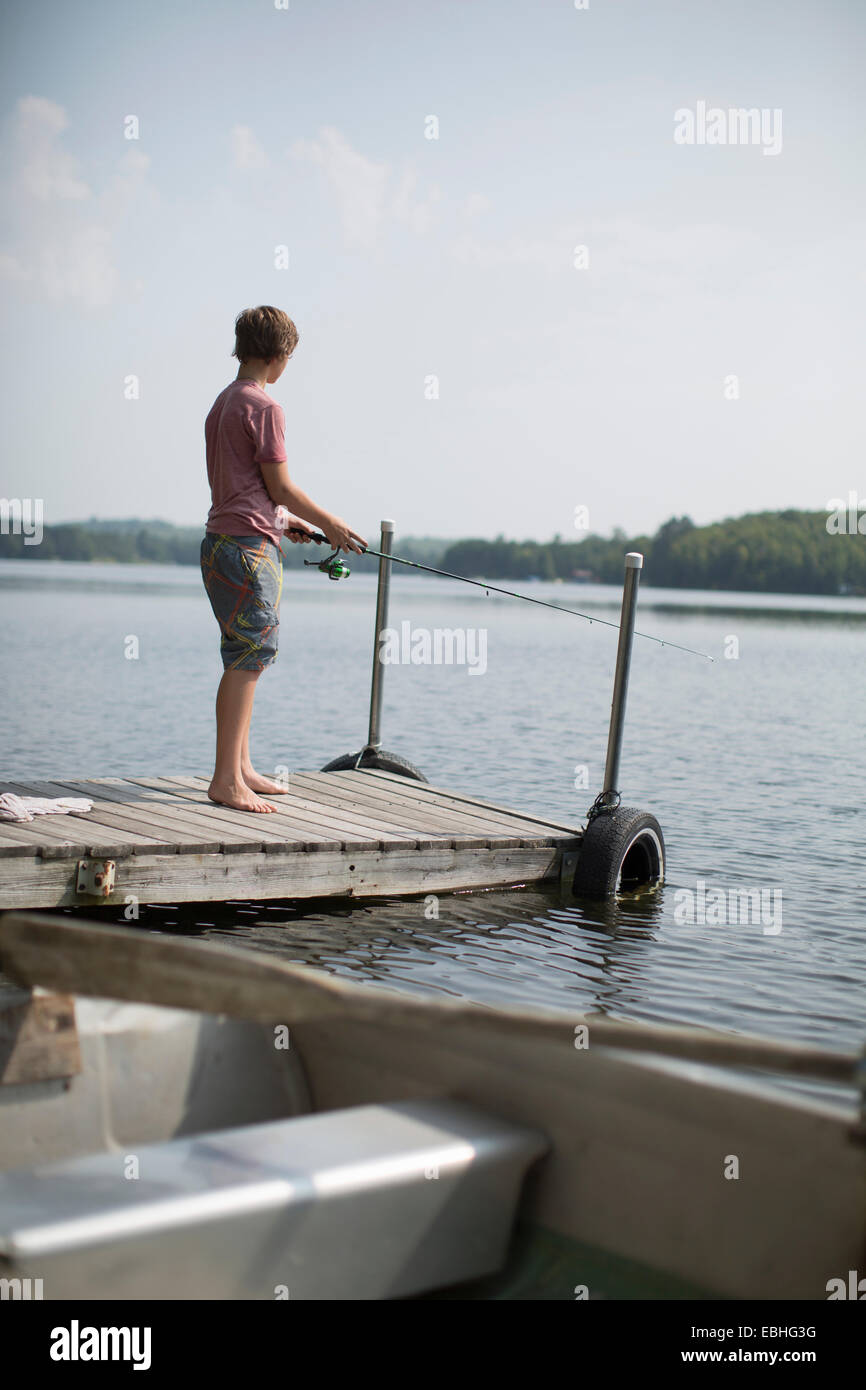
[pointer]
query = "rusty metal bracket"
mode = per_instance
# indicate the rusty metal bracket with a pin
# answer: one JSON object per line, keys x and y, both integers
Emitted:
{"x": 95, "y": 878}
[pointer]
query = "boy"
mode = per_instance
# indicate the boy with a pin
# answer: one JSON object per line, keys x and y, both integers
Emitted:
{"x": 241, "y": 560}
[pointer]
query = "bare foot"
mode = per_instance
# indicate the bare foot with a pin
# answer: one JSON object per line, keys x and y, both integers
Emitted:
{"x": 238, "y": 796}
{"x": 257, "y": 783}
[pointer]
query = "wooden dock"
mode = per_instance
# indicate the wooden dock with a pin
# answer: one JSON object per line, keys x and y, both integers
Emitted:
{"x": 357, "y": 834}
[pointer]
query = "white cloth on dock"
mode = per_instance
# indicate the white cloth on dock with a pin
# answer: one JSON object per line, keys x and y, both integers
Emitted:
{"x": 14, "y": 807}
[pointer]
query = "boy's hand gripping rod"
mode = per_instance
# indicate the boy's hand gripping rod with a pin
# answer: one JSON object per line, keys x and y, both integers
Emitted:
{"x": 334, "y": 568}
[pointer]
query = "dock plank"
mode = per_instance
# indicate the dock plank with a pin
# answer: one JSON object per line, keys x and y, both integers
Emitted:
{"x": 432, "y": 822}
{"x": 285, "y": 822}
{"x": 405, "y": 802}
{"x": 240, "y": 821}
{"x": 396, "y": 780}
{"x": 363, "y": 813}
{"x": 428, "y": 806}
{"x": 296, "y": 813}
{"x": 54, "y": 836}
{"x": 320, "y": 789}
{"x": 305, "y": 801}
{"x": 182, "y": 830}
{"x": 111, "y": 815}
{"x": 189, "y": 833}
{"x": 15, "y": 841}
{"x": 100, "y": 837}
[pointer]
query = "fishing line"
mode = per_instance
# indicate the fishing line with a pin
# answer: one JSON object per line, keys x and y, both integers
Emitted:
{"x": 334, "y": 567}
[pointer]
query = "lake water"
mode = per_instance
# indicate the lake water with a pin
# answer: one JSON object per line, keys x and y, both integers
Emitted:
{"x": 753, "y": 764}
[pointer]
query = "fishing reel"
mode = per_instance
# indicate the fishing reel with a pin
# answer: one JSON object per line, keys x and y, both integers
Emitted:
{"x": 332, "y": 566}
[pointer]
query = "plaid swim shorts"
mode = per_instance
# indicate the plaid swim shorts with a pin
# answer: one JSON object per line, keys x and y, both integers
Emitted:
{"x": 243, "y": 576}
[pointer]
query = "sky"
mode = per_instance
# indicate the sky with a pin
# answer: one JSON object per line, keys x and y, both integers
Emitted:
{"x": 462, "y": 367}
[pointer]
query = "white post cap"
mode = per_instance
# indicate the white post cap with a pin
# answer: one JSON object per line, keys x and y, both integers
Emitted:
{"x": 634, "y": 560}
{"x": 388, "y": 525}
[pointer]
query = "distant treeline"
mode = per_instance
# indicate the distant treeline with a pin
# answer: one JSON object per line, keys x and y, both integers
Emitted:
{"x": 131, "y": 542}
{"x": 788, "y": 552}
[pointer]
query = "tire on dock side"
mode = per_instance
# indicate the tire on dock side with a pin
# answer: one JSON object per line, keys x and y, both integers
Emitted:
{"x": 380, "y": 760}
{"x": 621, "y": 851}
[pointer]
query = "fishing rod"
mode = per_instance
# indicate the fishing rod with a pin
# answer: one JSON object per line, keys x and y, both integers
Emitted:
{"x": 335, "y": 568}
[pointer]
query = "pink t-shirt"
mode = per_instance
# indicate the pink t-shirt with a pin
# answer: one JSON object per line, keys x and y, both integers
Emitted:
{"x": 244, "y": 429}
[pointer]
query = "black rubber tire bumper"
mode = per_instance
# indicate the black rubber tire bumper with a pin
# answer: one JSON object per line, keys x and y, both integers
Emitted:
{"x": 621, "y": 852}
{"x": 377, "y": 759}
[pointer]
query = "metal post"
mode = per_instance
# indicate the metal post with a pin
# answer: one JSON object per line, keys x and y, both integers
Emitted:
{"x": 633, "y": 566}
{"x": 374, "y": 737}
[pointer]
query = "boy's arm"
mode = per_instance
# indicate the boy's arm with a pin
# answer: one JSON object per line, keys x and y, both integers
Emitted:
{"x": 284, "y": 492}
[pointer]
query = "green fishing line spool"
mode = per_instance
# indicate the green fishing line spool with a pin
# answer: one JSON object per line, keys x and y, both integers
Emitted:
{"x": 332, "y": 566}
{"x": 335, "y": 569}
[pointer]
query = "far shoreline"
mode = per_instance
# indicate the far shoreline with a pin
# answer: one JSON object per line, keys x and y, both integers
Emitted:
{"x": 661, "y": 598}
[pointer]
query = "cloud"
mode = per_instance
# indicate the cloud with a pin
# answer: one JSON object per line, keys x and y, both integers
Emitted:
{"x": 63, "y": 234}
{"x": 247, "y": 153}
{"x": 45, "y": 171}
{"x": 368, "y": 202}
{"x": 408, "y": 211}
{"x": 358, "y": 184}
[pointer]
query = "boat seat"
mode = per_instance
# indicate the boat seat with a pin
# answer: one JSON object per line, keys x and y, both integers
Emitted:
{"x": 372, "y": 1202}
